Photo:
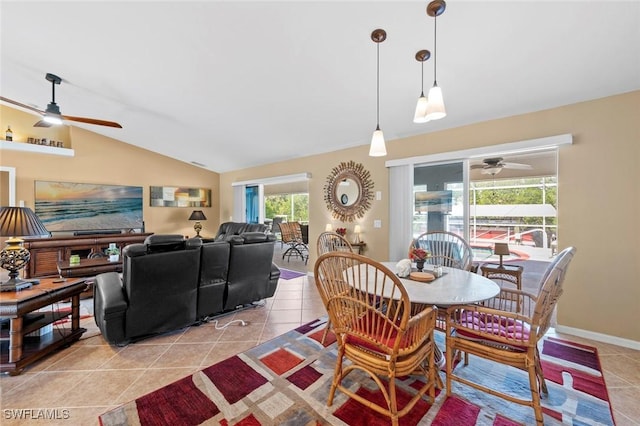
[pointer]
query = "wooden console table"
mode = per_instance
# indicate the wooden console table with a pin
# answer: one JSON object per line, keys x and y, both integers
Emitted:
{"x": 47, "y": 252}
{"x": 19, "y": 316}
{"x": 88, "y": 267}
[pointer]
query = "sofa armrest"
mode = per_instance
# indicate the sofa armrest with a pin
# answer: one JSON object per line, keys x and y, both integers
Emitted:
{"x": 108, "y": 295}
{"x": 110, "y": 307}
{"x": 275, "y": 272}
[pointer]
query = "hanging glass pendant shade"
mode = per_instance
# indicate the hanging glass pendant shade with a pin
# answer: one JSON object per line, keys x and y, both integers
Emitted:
{"x": 378, "y": 147}
{"x": 420, "y": 115}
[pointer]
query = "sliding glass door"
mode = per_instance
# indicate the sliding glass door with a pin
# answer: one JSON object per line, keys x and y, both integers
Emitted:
{"x": 438, "y": 198}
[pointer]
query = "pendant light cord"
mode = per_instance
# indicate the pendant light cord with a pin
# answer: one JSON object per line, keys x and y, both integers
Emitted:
{"x": 378, "y": 87}
{"x": 435, "y": 50}
{"x": 422, "y": 78}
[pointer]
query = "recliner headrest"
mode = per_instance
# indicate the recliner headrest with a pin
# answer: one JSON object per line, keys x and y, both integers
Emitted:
{"x": 167, "y": 242}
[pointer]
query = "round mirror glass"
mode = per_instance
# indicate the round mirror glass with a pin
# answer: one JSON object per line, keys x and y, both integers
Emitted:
{"x": 347, "y": 192}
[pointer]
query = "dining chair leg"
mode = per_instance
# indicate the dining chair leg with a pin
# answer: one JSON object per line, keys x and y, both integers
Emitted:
{"x": 535, "y": 394}
{"x": 326, "y": 331}
{"x": 542, "y": 383}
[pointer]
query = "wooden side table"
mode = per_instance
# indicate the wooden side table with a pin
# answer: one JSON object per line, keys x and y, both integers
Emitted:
{"x": 509, "y": 273}
{"x": 20, "y": 312}
{"x": 361, "y": 246}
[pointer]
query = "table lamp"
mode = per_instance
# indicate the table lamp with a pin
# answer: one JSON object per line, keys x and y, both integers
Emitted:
{"x": 356, "y": 231}
{"x": 501, "y": 249}
{"x": 197, "y": 215}
{"x": 328, "y": 227}
{"x": 16, "y": 222}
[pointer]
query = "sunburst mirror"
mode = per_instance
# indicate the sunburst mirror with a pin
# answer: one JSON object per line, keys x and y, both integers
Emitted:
{"x": 348, "y": 191}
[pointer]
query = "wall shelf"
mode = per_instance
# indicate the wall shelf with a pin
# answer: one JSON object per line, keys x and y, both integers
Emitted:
{"x": 38, "y": 149}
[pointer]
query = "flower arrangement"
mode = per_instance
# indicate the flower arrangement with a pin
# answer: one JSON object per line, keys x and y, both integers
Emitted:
{"x": 417, "y": 253}
{"x": 341, "y": 231}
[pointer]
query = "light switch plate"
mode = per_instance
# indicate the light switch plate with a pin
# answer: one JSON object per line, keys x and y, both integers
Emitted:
{"x": 378, "y": 195}
{"x": 377, "y": 223}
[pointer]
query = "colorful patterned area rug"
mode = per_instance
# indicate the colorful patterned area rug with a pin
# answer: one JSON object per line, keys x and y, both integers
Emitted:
{"x": 287, "y": 274}
{"x": 286, "y": 382}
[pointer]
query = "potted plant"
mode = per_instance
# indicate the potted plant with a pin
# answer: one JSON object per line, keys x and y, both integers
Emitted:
{"x": 114, "y": 252}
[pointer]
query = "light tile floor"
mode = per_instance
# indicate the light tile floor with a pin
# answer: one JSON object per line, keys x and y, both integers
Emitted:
{"x": 79, "y": 383}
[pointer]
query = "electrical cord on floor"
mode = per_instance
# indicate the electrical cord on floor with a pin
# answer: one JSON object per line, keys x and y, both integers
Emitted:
{"x": 243, "y": 323}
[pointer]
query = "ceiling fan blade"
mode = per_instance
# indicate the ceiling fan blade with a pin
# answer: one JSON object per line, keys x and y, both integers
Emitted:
{"x": 21, "y": 105}
{"x": 518, "y": 166}
{"x": 92, "y": 121}
{"x": 477, "y": 166}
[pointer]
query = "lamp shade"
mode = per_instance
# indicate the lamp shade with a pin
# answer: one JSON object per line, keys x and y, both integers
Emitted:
{"x": 378, "y": 147}
{"x": 328, "y": 227}
{"x": 357, "y": 229}
{"x": 197, "y": 215}
{"x": 421, "y": 110}
{"x": 20, "y": 222}
{"x": 501, "y": 249}
{"x": 435, "y": 107}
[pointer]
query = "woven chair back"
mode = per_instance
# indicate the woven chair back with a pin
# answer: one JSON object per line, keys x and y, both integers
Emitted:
{"x": 445, "y": 248}
{"x": 551, "y": 290}
{"x": 332, "y": 241}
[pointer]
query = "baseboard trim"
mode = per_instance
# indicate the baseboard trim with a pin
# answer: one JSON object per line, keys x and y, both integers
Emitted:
{"x": 599, "y": 337}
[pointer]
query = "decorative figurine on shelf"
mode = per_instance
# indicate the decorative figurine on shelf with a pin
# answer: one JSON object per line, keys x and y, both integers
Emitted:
{"x": 418, "y": 255}
{"x": 8, "y": 135}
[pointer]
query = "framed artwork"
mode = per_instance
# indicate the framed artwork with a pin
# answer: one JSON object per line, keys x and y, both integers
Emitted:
{"x": 71, "y": 206}
{"x": 179, "y": 196}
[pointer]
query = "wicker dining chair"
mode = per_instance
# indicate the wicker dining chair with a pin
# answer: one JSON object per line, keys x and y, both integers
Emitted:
{"x": 445, "y": 248}
{"x": 332, "y": 241}
{"x": 329, "y": 241}
{"x": 374, "y": 331}
{"x": 507, "y": 329}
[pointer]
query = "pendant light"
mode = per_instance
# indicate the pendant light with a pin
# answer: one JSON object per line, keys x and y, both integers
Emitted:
{"x": 421, "y": 107}
{"x": 378, "y": 148}
{"x": 435, "y": 105}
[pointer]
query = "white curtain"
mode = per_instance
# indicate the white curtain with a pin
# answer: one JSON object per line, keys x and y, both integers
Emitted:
{"x": 239, "y": 200}
{"x": 400, "y": 210}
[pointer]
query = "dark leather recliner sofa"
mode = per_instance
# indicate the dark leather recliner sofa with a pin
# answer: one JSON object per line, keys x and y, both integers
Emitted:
{"x": 168, "y": 283}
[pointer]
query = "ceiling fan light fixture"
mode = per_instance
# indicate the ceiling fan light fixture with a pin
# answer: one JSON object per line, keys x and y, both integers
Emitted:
{"x": 52, "y": 114}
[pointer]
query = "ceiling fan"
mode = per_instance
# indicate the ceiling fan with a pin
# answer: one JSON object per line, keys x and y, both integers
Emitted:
{"x": 493, "y": 166}
{"x": 52, "y": 114}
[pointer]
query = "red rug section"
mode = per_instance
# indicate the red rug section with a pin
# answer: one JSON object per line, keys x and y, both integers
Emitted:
{"x": 578, "y": 354}
{"x": 281, "y": 361}
{"x": 234, "y": 378}
{"x": 354, "y": 410}
{"x": 172, "y": 404}
{"x": 456, "y": 412}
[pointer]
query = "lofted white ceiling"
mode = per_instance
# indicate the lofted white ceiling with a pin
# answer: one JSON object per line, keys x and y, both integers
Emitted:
{"x": 239, "y": 84}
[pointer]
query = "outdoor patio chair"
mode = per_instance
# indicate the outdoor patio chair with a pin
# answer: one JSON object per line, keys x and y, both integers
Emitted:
{"x": 292, "y": 236}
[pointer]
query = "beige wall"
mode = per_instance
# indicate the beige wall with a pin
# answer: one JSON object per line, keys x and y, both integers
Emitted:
{"x": 598, "y": 195}
{"x": 599, "y": 199}
{"x": 99, "y": 159}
